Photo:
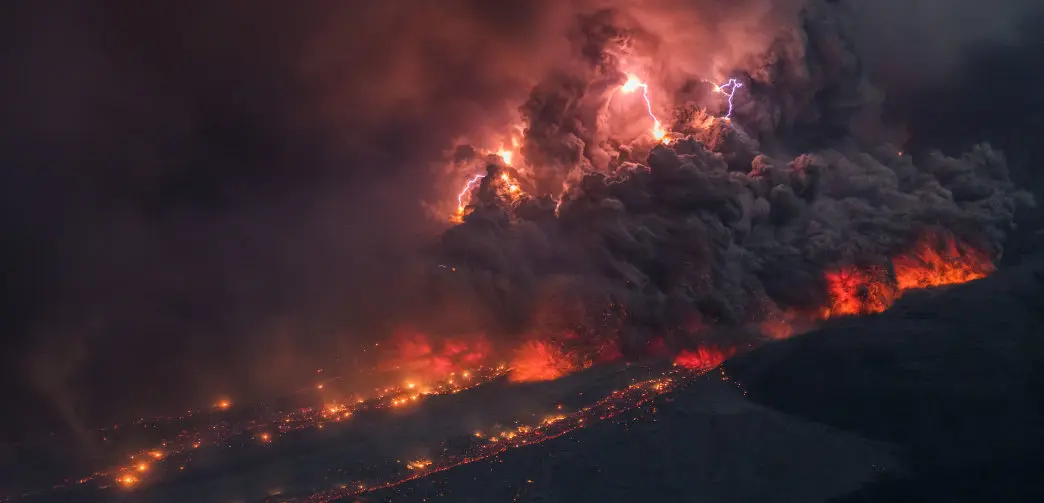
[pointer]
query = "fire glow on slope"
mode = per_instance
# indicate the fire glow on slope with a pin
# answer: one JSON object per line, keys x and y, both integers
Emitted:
{"x": 550, "y": 427}
{"x": 451, "y": 365}
{"x": 423, "y": 367}
{"x": 934, "y": 260}
{"x": 541, "y": 361}
{"x": 178, "y": 452}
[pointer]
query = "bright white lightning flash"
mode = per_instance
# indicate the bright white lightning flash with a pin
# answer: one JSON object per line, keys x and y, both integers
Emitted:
{"x": 632, "y": 85}
{"x": 728, "y": 89}
{"x": 465, "y": 191}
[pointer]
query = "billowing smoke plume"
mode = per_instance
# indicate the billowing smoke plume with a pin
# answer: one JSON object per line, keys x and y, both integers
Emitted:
{"x": 207, "y": 198}
{"x": 725, "y": 229}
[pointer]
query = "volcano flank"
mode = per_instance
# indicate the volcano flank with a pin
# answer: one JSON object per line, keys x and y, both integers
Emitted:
{"x": 595, "y": 250}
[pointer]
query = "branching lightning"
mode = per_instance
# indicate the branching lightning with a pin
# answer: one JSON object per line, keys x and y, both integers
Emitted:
{"x": 658, "y": 132}
{"x": 632, "y": 84}
{"x": 465, "y": 191}
{"x": 728, "y": 89}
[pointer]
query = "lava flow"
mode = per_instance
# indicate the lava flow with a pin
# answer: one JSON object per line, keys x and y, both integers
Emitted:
{"x": 552, "y": 426}
{"x": 938, "y": 260}
{"x": 178, "y": 452}
{"x": 934, "y": 260}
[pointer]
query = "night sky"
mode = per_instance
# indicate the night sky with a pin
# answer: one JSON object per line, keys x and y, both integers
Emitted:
{"x": 204, "y": 198}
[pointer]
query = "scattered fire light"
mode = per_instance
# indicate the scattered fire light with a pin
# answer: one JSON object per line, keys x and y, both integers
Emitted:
{"x": 629, "y": 398}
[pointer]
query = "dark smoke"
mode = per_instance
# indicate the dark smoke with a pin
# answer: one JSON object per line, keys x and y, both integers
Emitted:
{"x": 203, "y": 198}
{"x": 187, "y": 189}
{"x": 734, "y": 226}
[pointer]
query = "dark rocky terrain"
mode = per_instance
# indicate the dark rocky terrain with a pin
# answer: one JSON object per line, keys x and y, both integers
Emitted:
{"x": 940, "y": 398}
{"x": 949, "y": 379}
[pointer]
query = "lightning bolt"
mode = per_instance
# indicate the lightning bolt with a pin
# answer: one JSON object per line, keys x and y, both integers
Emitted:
{"x": 728, "y": 89}
{"x": 464, "y": 192}
{"x": 632, "y": 85}
{"x": 658, "y": 132}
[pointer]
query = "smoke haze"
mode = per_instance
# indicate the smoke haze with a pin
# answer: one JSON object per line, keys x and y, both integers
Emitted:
{"x": 204, "y": 198}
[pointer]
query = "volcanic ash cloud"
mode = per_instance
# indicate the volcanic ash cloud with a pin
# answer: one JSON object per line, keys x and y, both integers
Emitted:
{"x": 729, "y": 226}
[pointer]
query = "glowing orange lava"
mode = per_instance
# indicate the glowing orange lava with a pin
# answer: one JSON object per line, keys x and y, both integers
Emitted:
{"x": 416, "y": 356}
{"x": 938, "y": 260}
{"x": 858, "y": 291}
{"x": 540, "y": 361}
{"x": 626, "y": 399}
{"x": 934, "y": 260}
{"x": 702, "y": 358}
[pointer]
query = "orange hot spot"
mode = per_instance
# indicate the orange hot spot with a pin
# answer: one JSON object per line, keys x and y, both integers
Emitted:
{"x": 419, "y": 464}
{"x": 540, "y": 361}
{"x": 505, "y": 155}
{"x": 415, "y": 355}
{"x": 223, "y": 404}
{"x": 937, "y": 260}
{"x": 127, "y": 481}
{"x": 658, "y": 132}
{"x": 701, "y": 359}
{"x": 858, "y": 291}
{"x": 509, "y": 189}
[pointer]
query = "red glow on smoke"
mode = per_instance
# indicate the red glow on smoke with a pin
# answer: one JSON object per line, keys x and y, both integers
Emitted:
{"x": 934, "y": 260}
{"x": 938, "y": 260}
{"x": 702, "y": 358}
{"x": 541, "y": 361}
{"x": 858, "y": 291}
{"x": 417, "y": 355}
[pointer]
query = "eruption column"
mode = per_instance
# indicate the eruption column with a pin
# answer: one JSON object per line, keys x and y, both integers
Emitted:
{"x": 632, "y": 84}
